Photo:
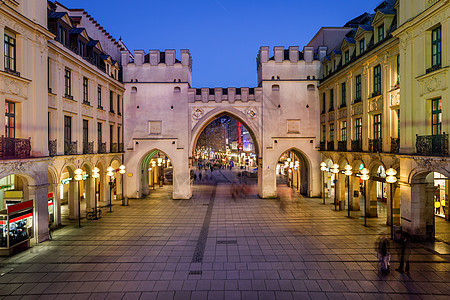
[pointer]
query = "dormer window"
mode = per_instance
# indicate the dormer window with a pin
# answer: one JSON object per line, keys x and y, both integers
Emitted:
{"x": 362, "y": 46}
{"x": 107, "y": 69}
{"x": 81, "y": 48}
{"x": 381, "y": 33}
{"x": 62, "y": 35}
{"x": 347, "y": 56}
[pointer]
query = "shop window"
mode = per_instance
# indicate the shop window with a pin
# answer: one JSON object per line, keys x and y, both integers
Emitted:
{"x": 436, "y": 116}
{"x": 10, "y": 119}
{"x": 10, "y": 51}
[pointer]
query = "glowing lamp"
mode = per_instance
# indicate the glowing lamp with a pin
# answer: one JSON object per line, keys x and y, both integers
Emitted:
{"x": 365, "y": 174}
{"x": 348, "y": 170}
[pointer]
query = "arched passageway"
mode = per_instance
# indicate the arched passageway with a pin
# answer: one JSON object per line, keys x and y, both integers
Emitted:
{"x": 156, "y": 172}
{"x": 294, "y": 168}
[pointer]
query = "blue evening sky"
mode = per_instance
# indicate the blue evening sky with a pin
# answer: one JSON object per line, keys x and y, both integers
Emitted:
{"x": 223, "y": 36}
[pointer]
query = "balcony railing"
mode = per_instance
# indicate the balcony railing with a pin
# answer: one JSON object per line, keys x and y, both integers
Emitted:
{"x": 14, "y": 148}
{"x": 395, "y": 145}
{"x": 342, "y": 145}
{"x": 377, "y": 93}
{"x": 88, "y": 148}
{"x": 375, "y": 145}
{"x": 70, "y": 148}
{"x": 322, "y": 146}
{"x": 114, "y": 148}
{"x": 432, "y": 144}
{"x": 357, "y": 100}
{"x": 357, "y": 145}
{"x": 102, "y": 148}
{"x": 434, "y": 68}
{"x": 330, "y": 146}
{"x": 52, "y": 147}
{"x": 121, "y": 147}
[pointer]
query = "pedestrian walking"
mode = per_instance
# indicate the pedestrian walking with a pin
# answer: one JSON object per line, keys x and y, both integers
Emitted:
{"x": 195, "y": 176}
{"x": 50, "y": 230}
{"x": 200, "y": 177}
{"x": 404, "y": 254}
{"x": 384, "y": 256}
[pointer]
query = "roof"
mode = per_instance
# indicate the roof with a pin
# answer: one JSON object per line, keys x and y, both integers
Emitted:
{"x": 56, "y": 15}
{"x": 357, "y": 21}
{"x": 77, "y": 30}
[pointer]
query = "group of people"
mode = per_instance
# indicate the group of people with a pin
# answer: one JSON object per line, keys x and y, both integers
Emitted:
{"x": 384, "y": 255}
{"x": 238, "y": 190}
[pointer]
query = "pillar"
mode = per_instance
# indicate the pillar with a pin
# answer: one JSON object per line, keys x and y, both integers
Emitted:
{"x": 340, "y": 189}
{"x": 39, "y": 194}
{"x": 371, "y": 201}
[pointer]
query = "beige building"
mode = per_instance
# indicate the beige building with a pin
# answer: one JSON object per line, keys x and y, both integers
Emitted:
{"x": 63, "y": 100}
{"x": 381, "y": 108}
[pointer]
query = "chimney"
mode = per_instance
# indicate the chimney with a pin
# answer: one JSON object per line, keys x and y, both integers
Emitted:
{"x": 170, "y": 57}
{"x": 308, "y": 54}
{"x": 139, "y": 57}
{"x": 279, "y": 54}
{"x": 322, "y": 52}
{"x": 293, "y": 54}
{"x": 125, "y": 58}
{"x": 264, "y": 54}
{"x": 154, "y": 57}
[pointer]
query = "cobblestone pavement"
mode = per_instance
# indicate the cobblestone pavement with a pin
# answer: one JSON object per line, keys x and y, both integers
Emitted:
{"x": 214, "y": 247}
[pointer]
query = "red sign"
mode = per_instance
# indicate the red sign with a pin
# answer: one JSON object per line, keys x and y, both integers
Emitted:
{"x": 20, "y": 206}
{"x": 50, "y": 195}
{"x": 21, "y": 218}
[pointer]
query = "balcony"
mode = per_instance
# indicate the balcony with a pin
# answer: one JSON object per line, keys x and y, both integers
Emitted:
{"x": 434, "y": 68}
{"x": 375, "y": 145}
{"x": 330, "y": 146}
{"x": 102, "y": 148}
{"x": 357, "y": 100}
{"x": 342, "y": 105}
{"x": 67, "y": 96}
{"x": 14, "y": 148}
{"x": 357, "y": 145}
{"x": 377, "y": 93}
{"x": 395, "y": 145}
{"x": 342, "y": 145}
{"x": 12, "y": 72}
{"x": 52, "y": 147}
{"x": 322, "y": 146}
{"x": 121, "y": 147}
{"x": 114, "y": 148}
{"x": 70, "y": 148}
{"x": 436, "y": 145}
{"x": 88, "y": 148}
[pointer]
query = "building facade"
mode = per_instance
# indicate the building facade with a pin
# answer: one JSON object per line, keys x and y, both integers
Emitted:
{"x": 63, "y": 100}
{"x": 381, "y": 95}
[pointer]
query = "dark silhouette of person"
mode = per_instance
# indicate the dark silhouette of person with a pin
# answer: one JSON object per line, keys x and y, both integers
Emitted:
{"x": 404, "y": 254}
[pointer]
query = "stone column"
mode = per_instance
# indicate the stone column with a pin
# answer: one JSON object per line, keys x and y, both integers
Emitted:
{"x": 354, "y": 186}
{"x": 39, "y": 194}
{"x": 341, "y": 186}
{"x": 73, "y": 198}
{"x": 371, "y": 201}
{"x": 57, "y": 203}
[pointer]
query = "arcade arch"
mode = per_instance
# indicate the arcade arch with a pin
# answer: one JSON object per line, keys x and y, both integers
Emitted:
{"x": 156, "y": 170}
{"x": 295, "y": 167}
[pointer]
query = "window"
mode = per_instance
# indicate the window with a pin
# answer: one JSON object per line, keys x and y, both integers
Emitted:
{"x": 81, "y": 48}
{"x": 347, "y": 56}
{"x": 398, "y": 123}
{"x": 377, "y": 80}
{"x": 436, "y": 116}
{"x": 10, "y": 52}
{"x": 331, "y": 99}
{"x": 436, "y": 47}
{"x": 99, "y": 97}
{"x": 10, "y": 119}
{"x": 62, "y": 35}
{"x": 343, "y": 95}
{"x": 111, "y": 133}
{"x": 362, "y": 46}
{"x": 118, "y": 137}
{"x": 324, "y": 133}
{"x": 85, "y": 90}
{"x": 118, "y": 104}
{"x": 85, "y": 135}
{"x": 343, "y": 131}
{"x": 48, "y": 75}
{"x": 111, "y": 101}
{"x": 99, "y": 137}
{"x": 358, "y": 129}
{"x": 358, "y": 88}
{"x": 398, "y": 69}
{"x": 96, "y": 58}
{"x": 67, "y": 83}
{"x": 381, "y": 33}
{"x": 67, "y": 130}
{"x": 377, "y": 126}
{"x": 332, "y": 132}
{"x": 324, "y": 97}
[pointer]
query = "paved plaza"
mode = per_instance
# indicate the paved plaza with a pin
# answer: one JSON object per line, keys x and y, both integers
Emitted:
{"x": 217, "y": 247}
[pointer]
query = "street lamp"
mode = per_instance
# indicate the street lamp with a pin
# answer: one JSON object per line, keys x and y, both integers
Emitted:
{"x": 335, "y": 170}
{"x": 110, "y": 173}
{"x": 122, "y": 171}
{"x": 391, "y": 179}
{"x": 323, "y": 168}
{"x": 348, "y": 172}
{"x": 95, "y": 175}
{"x": 78, "y": 178}
{"x": 365, "y": 176}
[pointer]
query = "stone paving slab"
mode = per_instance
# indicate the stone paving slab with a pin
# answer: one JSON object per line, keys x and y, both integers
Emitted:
{"x": 287, "y": 248}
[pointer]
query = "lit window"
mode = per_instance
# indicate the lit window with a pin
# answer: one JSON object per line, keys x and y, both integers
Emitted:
{"x": 10, "y": 119}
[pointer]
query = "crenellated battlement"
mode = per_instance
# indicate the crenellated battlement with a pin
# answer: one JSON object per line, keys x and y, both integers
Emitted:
{"x": 231, "y": 94}
{"x": 280, "y": 54}
{"x": 157, "y": 66}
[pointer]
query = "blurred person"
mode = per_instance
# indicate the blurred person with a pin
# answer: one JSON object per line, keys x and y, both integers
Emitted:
{"x": 405, "y": 252}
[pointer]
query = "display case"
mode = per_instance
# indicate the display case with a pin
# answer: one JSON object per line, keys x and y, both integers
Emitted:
{"x": 16, "y": 226}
